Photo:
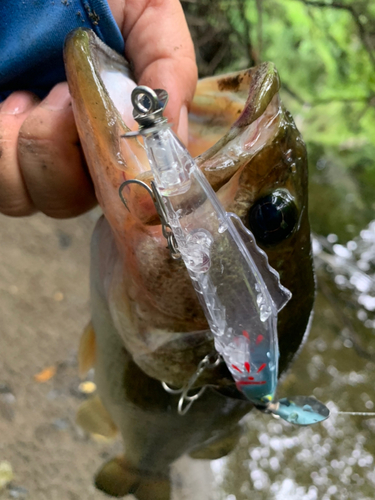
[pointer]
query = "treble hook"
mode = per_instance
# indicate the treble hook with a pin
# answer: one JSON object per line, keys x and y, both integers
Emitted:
{"x": 160, "y": 208}
{"x": 186, "y": 399}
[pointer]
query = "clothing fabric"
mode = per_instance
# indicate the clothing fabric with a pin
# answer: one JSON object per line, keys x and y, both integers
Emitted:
{"x": 32, "y": 34}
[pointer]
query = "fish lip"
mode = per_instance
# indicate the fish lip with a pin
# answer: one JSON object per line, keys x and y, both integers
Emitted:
{"x": 86, "y": 39}
{"x": 224, "y": 169}
{"x": 262, "y": 83}
{"x": 265, "y": 84}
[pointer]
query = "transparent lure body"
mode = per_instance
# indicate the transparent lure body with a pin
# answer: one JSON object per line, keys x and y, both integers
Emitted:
{"x": 240, "y": 294}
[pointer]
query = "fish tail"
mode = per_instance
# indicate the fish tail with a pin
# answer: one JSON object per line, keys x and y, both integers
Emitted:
{"x": 118, "y": 478}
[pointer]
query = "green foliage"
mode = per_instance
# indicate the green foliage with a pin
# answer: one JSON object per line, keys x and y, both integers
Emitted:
{"x": 325, "y": 53}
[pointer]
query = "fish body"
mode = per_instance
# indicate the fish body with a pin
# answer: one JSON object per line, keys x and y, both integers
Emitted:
{"x": 147, "y": 324}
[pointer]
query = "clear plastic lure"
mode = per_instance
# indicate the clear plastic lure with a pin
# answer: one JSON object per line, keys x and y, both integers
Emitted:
{"x": 238, "y": 290}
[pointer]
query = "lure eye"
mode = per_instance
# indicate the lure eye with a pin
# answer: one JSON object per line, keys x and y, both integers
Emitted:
{"x": 273, "y": 218}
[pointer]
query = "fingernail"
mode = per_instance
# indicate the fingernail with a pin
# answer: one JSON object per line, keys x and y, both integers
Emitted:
{"x": 58, "y": 98}
{"x": 182, "y": 129}
{"x": 17, "y": 103}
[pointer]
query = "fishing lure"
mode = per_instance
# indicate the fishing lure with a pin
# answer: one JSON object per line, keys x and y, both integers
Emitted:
{"x": 239, "y": 292}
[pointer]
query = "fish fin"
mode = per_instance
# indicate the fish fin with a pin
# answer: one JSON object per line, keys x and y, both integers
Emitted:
{"x": 86, "y": 350}
{"x": 117, "y": 478}
{"x": 219, "y": 446}
{"x": 156, "y": 488}
{"x": 93, "y": 417}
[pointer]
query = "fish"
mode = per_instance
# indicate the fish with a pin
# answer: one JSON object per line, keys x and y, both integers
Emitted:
{"x": 147, "y": 326}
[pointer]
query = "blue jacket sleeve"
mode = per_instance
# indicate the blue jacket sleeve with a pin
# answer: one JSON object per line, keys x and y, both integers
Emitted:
{"x": 32, "y": 35}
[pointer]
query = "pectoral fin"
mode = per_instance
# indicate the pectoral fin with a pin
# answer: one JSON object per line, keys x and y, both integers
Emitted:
{"x": 95, "y": 419}
{"x": 117, "y": 478}
{"x": 86, "y": 350}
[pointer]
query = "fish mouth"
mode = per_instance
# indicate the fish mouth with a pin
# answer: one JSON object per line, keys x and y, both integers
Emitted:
{"x": 230, "y": 120}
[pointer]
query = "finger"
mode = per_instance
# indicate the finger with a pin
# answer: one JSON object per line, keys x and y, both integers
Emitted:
{"x": 159, "y": 45}
{"x": 51, "y": 159}
{"x": 14, "y": 197}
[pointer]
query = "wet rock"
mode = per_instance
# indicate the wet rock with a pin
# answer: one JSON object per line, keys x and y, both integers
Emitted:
{"x": 61, "y": 424}
{"x": 65, "y": 240}
{"x": 17, "y": 491}
{"x": 7, "y": 401}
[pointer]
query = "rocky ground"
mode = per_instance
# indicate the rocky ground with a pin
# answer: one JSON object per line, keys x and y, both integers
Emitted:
{"x": 44, "y": 306}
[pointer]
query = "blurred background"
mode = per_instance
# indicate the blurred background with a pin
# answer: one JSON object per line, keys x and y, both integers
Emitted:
{"x": 325, "y": 54}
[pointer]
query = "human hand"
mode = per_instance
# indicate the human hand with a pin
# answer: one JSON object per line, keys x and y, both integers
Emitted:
{"x": 42, "y": 167}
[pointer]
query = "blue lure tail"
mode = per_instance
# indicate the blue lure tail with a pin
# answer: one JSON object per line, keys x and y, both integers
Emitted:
{"x": 301, "y": 410}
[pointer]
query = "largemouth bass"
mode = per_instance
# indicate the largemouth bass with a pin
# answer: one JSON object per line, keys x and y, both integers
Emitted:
{"x": 147, "y": 324}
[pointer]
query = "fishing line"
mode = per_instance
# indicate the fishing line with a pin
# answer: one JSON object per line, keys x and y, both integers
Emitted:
{"x": 356, "y": 413}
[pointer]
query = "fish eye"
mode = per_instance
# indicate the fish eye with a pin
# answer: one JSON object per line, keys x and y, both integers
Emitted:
{"x": 273, "y": 218}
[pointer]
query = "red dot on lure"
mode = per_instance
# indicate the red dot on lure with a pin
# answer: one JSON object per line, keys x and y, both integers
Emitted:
{"x": 262, "y": 367}
{"x": 236, "y": 368}
{"x": 259, "y": 339}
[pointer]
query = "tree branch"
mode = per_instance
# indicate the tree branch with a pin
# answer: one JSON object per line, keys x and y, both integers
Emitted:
{"x": 259, "y": 7}
{"x": 295, "y": 96}
{"x": 216, "y": 60}
{"x": 253, "y": 60}
{"x": 370, "y": 99}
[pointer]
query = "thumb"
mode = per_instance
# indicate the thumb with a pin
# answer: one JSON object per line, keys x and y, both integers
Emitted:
{"x": 159, "y": 47}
